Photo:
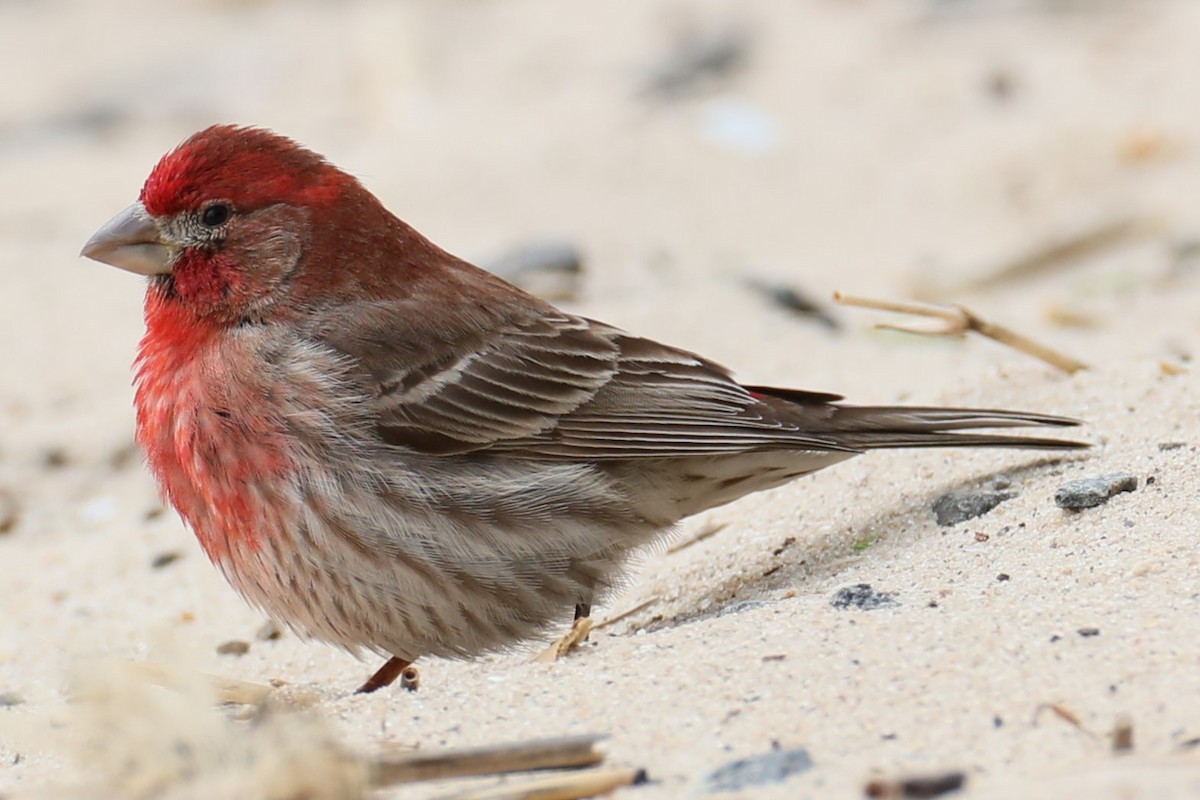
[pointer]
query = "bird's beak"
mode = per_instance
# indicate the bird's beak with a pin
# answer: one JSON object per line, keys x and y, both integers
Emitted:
{"x": 131, "y": 240}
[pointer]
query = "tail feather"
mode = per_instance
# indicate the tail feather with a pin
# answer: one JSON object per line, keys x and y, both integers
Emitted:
{"x": 933, "y": 418}
{"x": 875, "y": 427}
{"x": 879, "y": 440}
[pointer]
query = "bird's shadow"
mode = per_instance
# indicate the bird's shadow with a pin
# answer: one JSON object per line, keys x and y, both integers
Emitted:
{"x": 795, "y": 564}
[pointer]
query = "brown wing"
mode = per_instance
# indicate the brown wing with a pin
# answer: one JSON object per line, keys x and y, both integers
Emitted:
{"x": 553, "y": 386}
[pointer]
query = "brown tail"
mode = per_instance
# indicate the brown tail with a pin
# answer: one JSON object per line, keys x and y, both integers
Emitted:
{"x": 875, "y": 427}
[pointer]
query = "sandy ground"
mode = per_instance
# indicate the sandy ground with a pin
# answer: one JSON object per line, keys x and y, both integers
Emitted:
{"x": 873, "y": 146}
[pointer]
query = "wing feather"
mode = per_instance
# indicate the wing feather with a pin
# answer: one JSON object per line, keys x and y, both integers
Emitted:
{"x": 555, "y": 386}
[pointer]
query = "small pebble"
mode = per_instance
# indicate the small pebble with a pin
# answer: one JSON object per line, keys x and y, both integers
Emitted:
{"x": 1090, "y": 492}
{"x": 792, "y": 299}
{"x": 55, "y": 458}
{"x": 1088, "y": 632}
{"x": 773, "y": 767}
{"x": 862, "y": 597}
{"x": 999, "y": 84}
{"x": 962, "y": 505}
{"x": 165, "y": 559}
{"x": 268, "y": 632}
{"x": 234, "y": 647}
{"x": 10, "y": 699}
{"x": 999, "y": 483}
{"x": 9, "y": 513}
{"x": 1122, "y": 735}
{"x": 697, "y": 60}
{"x": 1166, "y": 446}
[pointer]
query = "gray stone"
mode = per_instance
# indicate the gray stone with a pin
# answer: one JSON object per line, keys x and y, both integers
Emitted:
{"x": 862, "y": 597}
{"x": 773, "y": 767}
{"x": 964, "y": 504}
{"x": 1090, "y": 492}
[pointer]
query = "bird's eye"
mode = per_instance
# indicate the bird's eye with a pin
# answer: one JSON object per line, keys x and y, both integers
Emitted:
{"x": 215, "y": 215}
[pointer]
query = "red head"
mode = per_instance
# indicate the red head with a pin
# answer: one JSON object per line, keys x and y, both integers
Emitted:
{"x": 240, "y": 224}
{"x": 249, "y": 168}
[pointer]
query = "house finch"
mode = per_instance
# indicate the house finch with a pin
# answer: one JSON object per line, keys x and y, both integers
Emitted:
{"x": 387, "y": 448}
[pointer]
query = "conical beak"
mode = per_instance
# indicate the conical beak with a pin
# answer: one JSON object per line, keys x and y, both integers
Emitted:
{"x": 130, "y": 240}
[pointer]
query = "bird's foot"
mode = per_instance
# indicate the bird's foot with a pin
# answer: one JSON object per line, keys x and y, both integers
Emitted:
{"x": 386, "y": 675}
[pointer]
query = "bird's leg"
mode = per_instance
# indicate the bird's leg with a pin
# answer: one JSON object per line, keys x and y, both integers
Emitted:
{"x": 384, "y": 676}
{"x": 583, "y": 616}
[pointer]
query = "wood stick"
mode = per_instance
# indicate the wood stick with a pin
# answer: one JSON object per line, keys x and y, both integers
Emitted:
{"x": 957, "y": 321}
{"x": 567, "y": 752}
{"x": 1065, "y": 714}
{"x": 558, "y": 787}
{"x": 567, "y": 642}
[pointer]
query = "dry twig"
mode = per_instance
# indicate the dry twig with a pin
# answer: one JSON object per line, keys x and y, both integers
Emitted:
{"x": 1065, "y": 714}
{"x": 916, "y": 787}
{"x": 558, "y": 787}
{"x": 567, "y": 752}
{"x": 957, "y": 321}
{"x": 567, "y": 642}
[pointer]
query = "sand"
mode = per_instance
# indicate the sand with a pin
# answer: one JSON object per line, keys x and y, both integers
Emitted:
{"x": 873, "y": 146}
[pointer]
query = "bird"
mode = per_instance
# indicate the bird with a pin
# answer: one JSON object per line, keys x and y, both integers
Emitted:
{"x": 386, "y": 448}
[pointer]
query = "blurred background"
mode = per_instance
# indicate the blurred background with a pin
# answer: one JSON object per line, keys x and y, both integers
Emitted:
{"x": 702, "y": 172}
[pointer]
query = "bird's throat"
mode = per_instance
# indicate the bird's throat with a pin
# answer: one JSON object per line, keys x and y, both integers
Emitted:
{"x": 205, "y": 421}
